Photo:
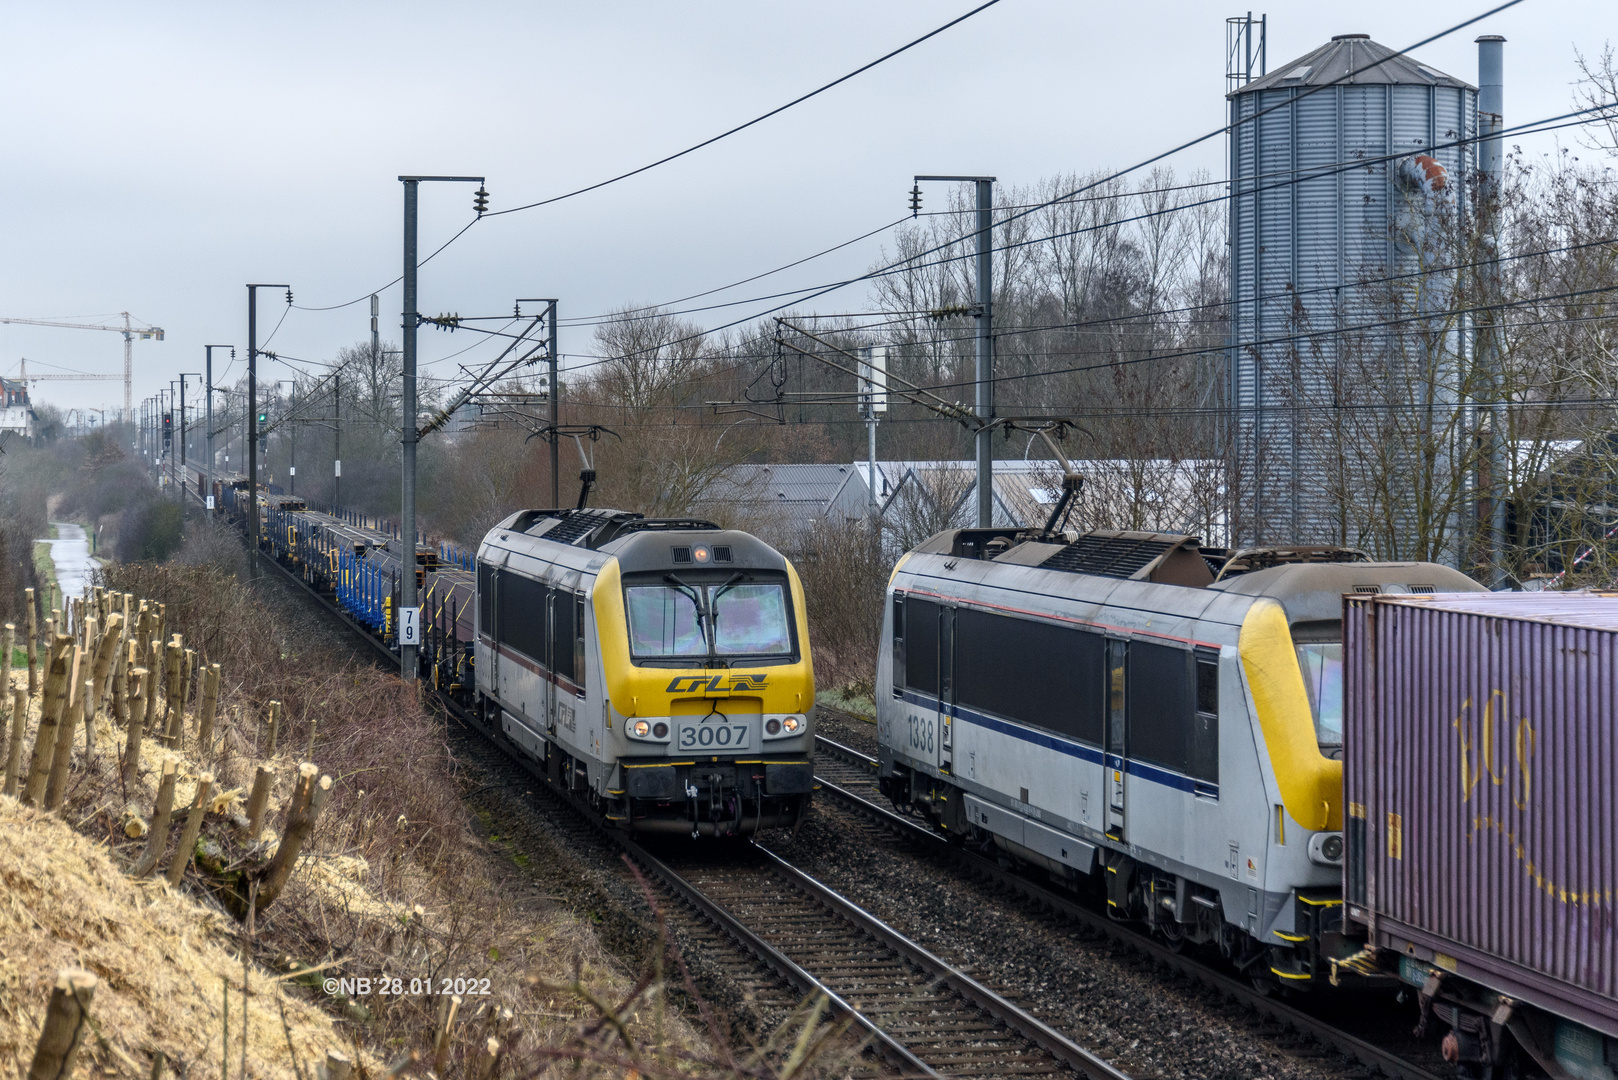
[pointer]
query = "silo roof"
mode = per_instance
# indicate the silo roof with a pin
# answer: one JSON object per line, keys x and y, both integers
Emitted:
{"x": 1345, "y": 53}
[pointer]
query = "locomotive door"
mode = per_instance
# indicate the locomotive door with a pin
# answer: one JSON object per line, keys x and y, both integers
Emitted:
{"x": 1112, "y": 759}
{"x": 489, "y": 618}
{"x": 548, "y": 683}
{"x": 941, "y": 746}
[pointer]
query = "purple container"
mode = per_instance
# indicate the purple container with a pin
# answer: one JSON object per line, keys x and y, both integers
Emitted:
{"x": 1481, "y": 777}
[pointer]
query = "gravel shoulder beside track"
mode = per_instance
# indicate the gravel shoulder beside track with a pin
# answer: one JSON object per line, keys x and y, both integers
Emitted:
{"x": 1149, "y": 1022}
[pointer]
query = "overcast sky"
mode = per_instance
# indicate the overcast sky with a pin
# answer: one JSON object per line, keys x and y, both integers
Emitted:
{"x": 155, "y": 157}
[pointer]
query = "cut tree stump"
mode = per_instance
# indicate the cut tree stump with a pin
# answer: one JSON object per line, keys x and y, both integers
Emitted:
{"x": 66, "y": 1018}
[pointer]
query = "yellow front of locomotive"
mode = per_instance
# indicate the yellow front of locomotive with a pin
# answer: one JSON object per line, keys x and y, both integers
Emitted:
{"x": 705, "y": 656}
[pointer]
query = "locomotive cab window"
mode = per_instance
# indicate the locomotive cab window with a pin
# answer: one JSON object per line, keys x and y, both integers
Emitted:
{"x": 691, "y": 616}
{"x": 1322, "y": 665}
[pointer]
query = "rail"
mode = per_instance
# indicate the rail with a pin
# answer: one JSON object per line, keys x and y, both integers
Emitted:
{"x": 1360, "y": 1050}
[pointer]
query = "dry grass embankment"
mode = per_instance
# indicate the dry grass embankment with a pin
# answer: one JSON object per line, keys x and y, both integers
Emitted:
{"x": 391, "y": 885}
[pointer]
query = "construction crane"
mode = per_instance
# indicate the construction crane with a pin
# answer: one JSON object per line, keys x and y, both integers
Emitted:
{"x": 73, "y": 377}
{"x": 128, "y": 330}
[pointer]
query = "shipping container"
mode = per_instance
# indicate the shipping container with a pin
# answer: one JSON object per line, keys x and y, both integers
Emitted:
{"x": 1481, "y": 779}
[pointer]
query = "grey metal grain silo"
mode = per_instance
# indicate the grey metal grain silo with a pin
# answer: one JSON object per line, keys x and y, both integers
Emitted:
{"x": 1330, "y": 156}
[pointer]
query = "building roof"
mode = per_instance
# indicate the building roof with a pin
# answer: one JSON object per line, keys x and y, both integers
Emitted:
{"x": 1152, "y": 494}
{"x": 1344, "y": 54}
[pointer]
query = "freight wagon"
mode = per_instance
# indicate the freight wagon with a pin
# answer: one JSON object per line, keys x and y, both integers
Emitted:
{"x": 1481, "y": 776}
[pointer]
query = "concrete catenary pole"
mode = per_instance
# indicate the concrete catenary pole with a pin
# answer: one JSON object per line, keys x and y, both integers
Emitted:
{"x": 407, "y": 508}
{"x": 1491, "y": 120}
{"x": 556, "y": 435}
{"x": 984, "y": 409}
{"x": 252, "y": 422}
{"x": 407, "y": 501}
{"x": 985, "y": 352}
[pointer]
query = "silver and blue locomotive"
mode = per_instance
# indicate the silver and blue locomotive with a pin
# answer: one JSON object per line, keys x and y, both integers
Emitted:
{"x": 1137, "y": 713}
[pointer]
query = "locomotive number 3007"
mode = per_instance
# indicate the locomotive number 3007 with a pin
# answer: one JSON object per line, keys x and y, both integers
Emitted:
{"x": 713, "y": 737}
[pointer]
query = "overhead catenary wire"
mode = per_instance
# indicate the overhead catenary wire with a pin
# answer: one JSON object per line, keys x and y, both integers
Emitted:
{"x": 682, "y": 153}
{"x": 756, "y": 120}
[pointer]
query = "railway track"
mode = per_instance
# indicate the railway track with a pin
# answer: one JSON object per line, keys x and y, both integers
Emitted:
{"x": 923, "y": 1015}
{"x": 848, "y": 775}
{"x": 795, "y": 936}
{"x": 790, "y": 936}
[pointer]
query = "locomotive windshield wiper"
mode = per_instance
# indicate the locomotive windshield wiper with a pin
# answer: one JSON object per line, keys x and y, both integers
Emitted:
{"x": 699, "y": 601}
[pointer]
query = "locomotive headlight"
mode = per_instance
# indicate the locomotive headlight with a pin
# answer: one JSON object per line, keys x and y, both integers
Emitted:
{"x": 782, "y": 727}
{"x": 651, "y": 730}
{"x": 1326, "y": 849}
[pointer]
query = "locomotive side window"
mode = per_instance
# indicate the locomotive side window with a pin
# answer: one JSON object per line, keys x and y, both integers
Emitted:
{"x": 1203, "y": 755}
{"x": 921, "y": 646}
{"x": 898, "y": 643}
{"x": 1117, "y": 699}
{"x": 1162, "y": 704}
{"x": 578, "y": 641}
{"x": 1035, "y": 673}
{"x": 562, "y": 631}
{"x": 486, "y": 598}
{"x": 522, "y": 614}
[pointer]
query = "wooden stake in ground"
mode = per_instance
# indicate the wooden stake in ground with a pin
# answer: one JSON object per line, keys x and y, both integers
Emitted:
{"x": 5, "y": 664}
{"x": 257, "y": 801}
{"x": 67, "y": 726}
{"x": 90, "y": 635}
{"x": 89, "y": 702}
{"x": 10, "y": 644}
{"x": 154, "y": 685}
{"x": 161, "y": 816}
{"x": 338, "y": 1065}
{"x": 107, "y": 652}
{"x": 193, "y": 827}
{"x": 19, "y": 728}
{"x": 173, "y": 708}
{"x": 447, "y": 1008}
{"x": 33, "y": 644}
{"x": 66, "y": 1019}
{"x": 120, "y": 682}
{"x": 210, "y": 706}
{"x": 137, "y": 713}
{"x": 275, "y": 726}
{"x": 39, "y": 764}
{"x": 309, "y": 798}
{"x": 189, "y": 662}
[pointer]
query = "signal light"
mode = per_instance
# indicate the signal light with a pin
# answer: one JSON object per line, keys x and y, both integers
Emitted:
{"x": 168, "y": 421}
{"x": 480, "y": 200}
{"x": 915, "y": 200}
{"x": 264, "y": 418}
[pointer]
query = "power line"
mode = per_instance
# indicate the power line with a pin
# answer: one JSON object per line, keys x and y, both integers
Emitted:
{"x": 756, "y": 120}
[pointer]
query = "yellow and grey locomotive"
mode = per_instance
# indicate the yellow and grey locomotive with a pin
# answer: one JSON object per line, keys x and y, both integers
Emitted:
{"x": 657, "y": 669}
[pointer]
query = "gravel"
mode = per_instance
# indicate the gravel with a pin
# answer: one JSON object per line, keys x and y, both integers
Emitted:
{"x": 1149, "y": 1022}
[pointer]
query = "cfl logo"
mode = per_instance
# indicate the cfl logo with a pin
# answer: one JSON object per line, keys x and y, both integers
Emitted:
{"x": 692, "y": 684}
